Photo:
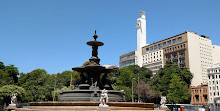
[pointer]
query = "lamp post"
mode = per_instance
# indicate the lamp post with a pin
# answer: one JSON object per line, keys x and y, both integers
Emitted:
{"x": 133, "y": 89}
{"x": 54, "y": 89}
{"x": 138, "y": 90}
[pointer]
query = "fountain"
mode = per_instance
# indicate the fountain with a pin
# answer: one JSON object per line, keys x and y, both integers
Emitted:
{"x": 92, "y": 88}
{"x": 93, "y": 80}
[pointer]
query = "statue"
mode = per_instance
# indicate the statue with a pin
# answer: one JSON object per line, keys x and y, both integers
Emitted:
{"x": 13, "y": 104}
{"x": 163, "y": 101}
{"x": 104, "y": 98}
{"x": 14, "y": 98}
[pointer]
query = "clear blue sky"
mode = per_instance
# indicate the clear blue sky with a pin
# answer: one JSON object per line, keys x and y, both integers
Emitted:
{"x": 52, "y": 34}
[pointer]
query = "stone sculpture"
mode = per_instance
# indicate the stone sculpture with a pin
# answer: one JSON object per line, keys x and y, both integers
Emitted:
{"x": 13, "y": 104}
{"x": 163, "y": 102}
{"x": 14, "y": 98}
{"x": 104, "y": 98}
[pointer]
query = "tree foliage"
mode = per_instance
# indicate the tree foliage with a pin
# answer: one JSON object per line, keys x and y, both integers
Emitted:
{"x": 147, "y": 94}
{"x": 38, "y": 85}
{"x": 164, "y": 83}
{"x": 7, "y": 90}
{"x": 122, "y": 79}
{"x": 8, "y": 74}
{"x": 178, "y": 90}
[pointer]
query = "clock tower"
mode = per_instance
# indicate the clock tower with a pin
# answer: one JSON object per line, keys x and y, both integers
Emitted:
{"x": 141, "y": 37}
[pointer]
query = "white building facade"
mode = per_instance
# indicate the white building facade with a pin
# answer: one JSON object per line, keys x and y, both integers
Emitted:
{"x": 200, "y": 57}
{"x": 216, "y": 54}
{"x": 153, "y": 60}
{"x": 214, "y": 82}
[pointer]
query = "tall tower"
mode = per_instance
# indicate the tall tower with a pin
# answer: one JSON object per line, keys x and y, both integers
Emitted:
{"x": 141, "y": 36}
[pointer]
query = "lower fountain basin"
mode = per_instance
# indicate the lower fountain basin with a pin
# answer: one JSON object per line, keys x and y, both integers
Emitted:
{"x": 90, "y": 95}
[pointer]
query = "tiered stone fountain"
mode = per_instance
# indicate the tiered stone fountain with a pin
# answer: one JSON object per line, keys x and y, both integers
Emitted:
{"x": 92, "y": 83}
{"x": 86, "y": 95}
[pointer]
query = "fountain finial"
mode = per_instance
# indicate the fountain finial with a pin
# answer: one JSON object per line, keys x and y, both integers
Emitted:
{"x": 95, "y": 36}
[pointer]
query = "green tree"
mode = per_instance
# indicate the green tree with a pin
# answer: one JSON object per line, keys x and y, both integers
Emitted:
{"x": 6, "y": 92}
{"x": 161, "y": 82}
{"x": 38, "y": 85}
{"x": 64, "y": 78}
{"x": 178, "y": 90}
{"x": 124, "y": 82}
{"x": 144, "y": 73}
{"x": 122, "y": 79}
{"x": 8, "y": 74}
{"x": 13, "y": 72}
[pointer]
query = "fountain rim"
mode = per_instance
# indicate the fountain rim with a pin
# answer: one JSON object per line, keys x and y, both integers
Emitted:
{"x": 95, "y": 43}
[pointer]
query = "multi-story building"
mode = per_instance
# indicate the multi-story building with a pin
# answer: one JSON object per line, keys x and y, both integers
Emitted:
{"x": 128, "y": 59}
{"x": 153, "y": 57}
{"x": 187, "y": 49}
{"x": 216, "y": 54}
{"x": 199, "y": 94}
{"x": 214, "y": 82}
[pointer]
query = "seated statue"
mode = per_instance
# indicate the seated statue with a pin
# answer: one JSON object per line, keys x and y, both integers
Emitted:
{"x": 163, "y": 102}
{"x": 14, "y": 98}
{"x": 104, "y": 98}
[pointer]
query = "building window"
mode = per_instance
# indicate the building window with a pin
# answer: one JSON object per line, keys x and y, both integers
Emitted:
{"x": 147, "y": 50}
{"x": 160, "y": 46}
{"x": 169, "y": 42}
{"x": 151, "y": 48}
{"x": 179, "y": 39}
{"x": 174, "y": 41}
{"x": 155, "y": 47}
{"x": 164, "y": 44}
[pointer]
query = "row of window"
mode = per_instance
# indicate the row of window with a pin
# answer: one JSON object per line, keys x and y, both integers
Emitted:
{"x": 153, "y": 64}
{"x": 199, "y": 91}
{"x": 127, "y": 63}
{"x": 128, "y": 56}
{"x": 153, "y": 53}
{"x": 213, "y": 88}
{"x": 213, "y": 82}
{"x": 214, "y": 93}
{"x": 216, "y": 76}
{"x": 164, "y": 44}
{"x": 196, "y": 98}
{"x": 175, "y": 48}
{"x": 214, "y": 71}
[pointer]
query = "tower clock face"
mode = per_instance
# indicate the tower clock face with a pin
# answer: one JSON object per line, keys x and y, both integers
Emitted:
{"x": 138, "y": 24}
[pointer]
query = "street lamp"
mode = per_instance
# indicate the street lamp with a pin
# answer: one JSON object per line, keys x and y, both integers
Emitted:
{"x": 138, "y": 90}
{"x": 133, "y": 89}
{"x": 54, "y": 89}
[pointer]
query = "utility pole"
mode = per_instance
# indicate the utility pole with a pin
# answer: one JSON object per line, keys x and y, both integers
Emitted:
{"x": 71, "y": 80}
{"x": 133, "y": 89}
{"x": 54, "y": 89}
{"x": 138, "y": 90}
